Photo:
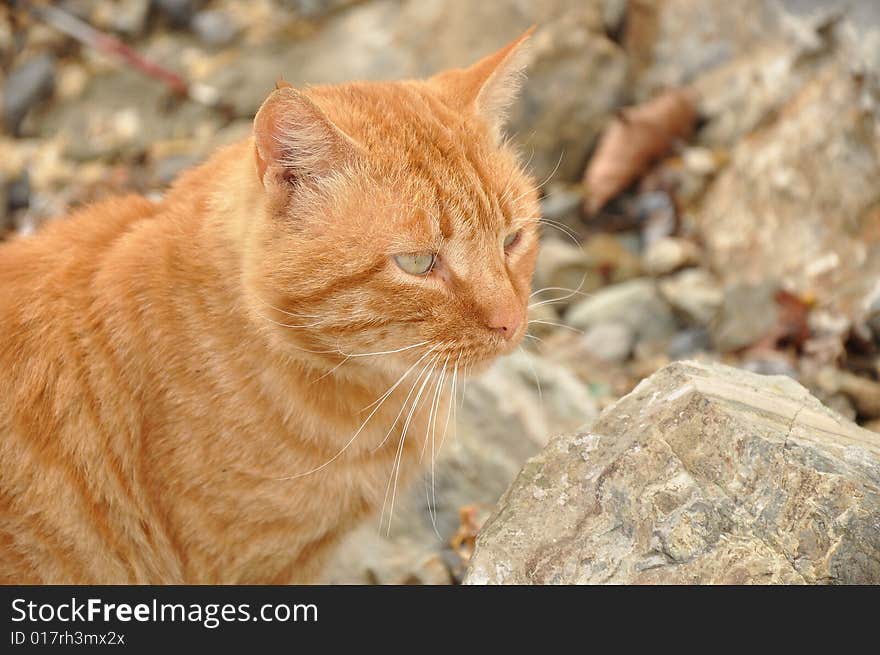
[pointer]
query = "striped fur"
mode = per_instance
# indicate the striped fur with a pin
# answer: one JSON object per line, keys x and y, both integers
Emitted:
{"x": 180, "y": 381}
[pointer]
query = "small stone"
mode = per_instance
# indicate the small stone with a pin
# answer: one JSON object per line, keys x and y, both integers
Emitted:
{"x": 28, "y": 84}
{"x": 215, "y": 27}
{"x": 863, "y": 392}
{"x": 872, "y": 311}
{"x": 658, "y": 216}
{"x": 748, "y": 313}
{"x": 6, "y": 218}
{"x": 694, "y": 293}
{"x": 126, "y": 17}
{"x": 612, "y": 342}
{"x": 561, "y": 210}
{"x": 19, "y": 192}
{"x": 670, "y": 254}
{"x": 701, "y": 161}
{"x": 316, "y": 9}
{"x": 178, "y": 12}
{"x": 571, "y": 270}
{"x": 770, "y": 363}
{"x": 636, "y": 303}
{"x": 689, "y": 342}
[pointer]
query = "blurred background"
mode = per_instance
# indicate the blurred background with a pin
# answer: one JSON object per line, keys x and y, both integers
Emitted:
{"x": 710, "y": 174}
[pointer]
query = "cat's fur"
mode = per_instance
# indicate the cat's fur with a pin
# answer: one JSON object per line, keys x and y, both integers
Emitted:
{"x": 181, "y": 381}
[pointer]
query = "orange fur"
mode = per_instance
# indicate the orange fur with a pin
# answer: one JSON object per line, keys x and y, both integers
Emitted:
{"x": 181, "y": 381}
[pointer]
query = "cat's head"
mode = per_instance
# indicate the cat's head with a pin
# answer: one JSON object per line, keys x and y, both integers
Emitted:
{"x": 397, "y": 219}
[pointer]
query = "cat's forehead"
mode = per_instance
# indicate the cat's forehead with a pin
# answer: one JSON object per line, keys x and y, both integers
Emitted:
{"x": 439, "y": 167}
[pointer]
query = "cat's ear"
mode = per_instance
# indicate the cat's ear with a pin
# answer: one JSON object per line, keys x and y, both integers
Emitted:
{"x": 294, "y": 140}
{"x": 490, "y": 86}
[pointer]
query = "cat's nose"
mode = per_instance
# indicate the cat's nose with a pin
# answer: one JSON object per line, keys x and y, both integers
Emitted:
{"x": 505, "y": 320}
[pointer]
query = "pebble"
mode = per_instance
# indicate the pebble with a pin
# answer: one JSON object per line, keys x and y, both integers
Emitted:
{"x": 688, "y": 342}
{"x": 27, "y": 84}
{"x": 658, "y": 216}
{"x": 637, "y": 303}
{"x": 611, "y": 342}
{"x": 694, "y": 293}
{"x": 748, "y": 312}
{"x": 669, "y": 254}
{"x": 19, "y": 192}
{"x": 6, "y": 222}
{"x": 125, "y": 17}
{"x": 563, "y": 205}
{"x": 178, "y": 12}
{"x": 215, "y": 27}
{"x": 770, "y": 363}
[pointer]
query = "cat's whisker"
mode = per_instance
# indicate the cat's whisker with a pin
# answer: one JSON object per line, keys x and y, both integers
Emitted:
{"x": 331, "y": 371}
{"x": 418, "y": 361}
{"x": 508, "y": 186}
{"x": 405, "y": 401}
{"x": 399, "y": 455}
{"x": 555, "y": 324}
{"x": 386, "y": 352}
{"x": 552, "y": 301}
{"x": 532, "y": 336}
{"x": 564, "y": 229}
{"x": 349, "y": 356}
{"x": 546, "y": 179}
{"x": 434, "y": 404}
{"x": 451, "y": 407}
{"x": 571, "y": 292}
{"x": 432, "y": 508}
{"x": 360, "y": 429}
{"x": 287, "y": 325}
{"x": 283, "y": 311}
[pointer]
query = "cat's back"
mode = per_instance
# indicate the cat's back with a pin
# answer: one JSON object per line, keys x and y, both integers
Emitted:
{"x": 47, "y": 286}
{"x": 46, "y": 279}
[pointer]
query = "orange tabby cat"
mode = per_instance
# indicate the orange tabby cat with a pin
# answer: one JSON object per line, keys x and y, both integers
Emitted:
{"x": 213, "y": 388}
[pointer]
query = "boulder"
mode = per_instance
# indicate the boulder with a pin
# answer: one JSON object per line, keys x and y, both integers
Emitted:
{"x": 575, "y": 79}
{"x": 703, "y": 474}
{"x": 776, "y": 212}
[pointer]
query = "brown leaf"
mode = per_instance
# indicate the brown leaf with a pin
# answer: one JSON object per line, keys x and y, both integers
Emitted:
{"x": 465, "y": 538}
{"x": 635, "y": 139}
{"x": 792, "y": 326}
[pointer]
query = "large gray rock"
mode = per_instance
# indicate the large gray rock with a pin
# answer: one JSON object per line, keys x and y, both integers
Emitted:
{"x": 507, "y": 416}
{"x": 777, "y": 211}
{"x": 575, "y": 79}
{"x": 703, "y": 474}
{"x": 674, "y": 41}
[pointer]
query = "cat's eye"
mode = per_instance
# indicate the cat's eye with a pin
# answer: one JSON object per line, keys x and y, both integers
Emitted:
{"x": 417, "y": 263}
{"x": 511, "y": 239}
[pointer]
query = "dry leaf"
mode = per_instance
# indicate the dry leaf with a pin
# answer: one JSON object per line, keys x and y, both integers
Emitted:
{"x": 792, "y": 326}
{"x": 464, "y": 540}
{"x": 636, "y": 138}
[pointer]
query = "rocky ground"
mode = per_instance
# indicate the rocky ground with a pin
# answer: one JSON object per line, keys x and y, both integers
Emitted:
{"x": 751, "y": 239}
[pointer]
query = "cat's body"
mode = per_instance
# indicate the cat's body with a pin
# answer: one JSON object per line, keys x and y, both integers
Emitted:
{"x": 187, "y": 392}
